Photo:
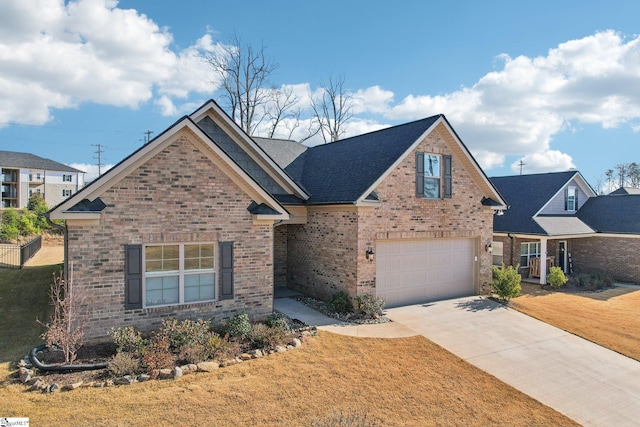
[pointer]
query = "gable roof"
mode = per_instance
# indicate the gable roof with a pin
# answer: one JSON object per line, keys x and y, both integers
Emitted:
{"x": 624, "y": 191}
{"x": 347, "y": 171}
{"x": 14, "y": 159}
{"x": 618, "y": 214}
{"x": 83, "y": 204}
{"x": 526, "y": 196}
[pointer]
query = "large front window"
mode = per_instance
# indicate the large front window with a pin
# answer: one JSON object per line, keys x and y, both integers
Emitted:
{"x": 432, "y": 176}
{"x": 527, "y": 251}
{"x": 179, "y": 274}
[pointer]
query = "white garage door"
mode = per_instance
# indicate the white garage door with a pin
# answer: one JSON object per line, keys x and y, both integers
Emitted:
{"x": 412, "y": 271}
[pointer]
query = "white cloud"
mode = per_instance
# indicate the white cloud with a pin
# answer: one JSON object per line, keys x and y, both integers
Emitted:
{"x": 518, "y": 109}
{"x": 546, "y": 161}
{"x": 91, "y": 170}
{"x": 90, "y": 51}
{"x": 373, "y": 99}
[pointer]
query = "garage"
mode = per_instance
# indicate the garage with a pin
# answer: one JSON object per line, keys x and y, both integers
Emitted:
{"x": 413, "y": 271}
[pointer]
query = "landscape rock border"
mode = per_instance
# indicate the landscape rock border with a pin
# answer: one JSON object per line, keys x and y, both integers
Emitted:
{"x": 26, "y": 371}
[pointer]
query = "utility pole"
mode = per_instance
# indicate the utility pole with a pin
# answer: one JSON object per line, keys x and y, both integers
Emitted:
{"x": 99, "y": 151}
{"x": 521, "y": 164}
{"x": 147, "y": 136}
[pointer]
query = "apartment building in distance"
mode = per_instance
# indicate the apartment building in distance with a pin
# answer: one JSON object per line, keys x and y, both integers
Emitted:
{"x": 23, "y": 175}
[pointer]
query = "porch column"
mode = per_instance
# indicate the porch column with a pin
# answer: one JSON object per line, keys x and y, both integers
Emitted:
{"x": 543, "y": 260}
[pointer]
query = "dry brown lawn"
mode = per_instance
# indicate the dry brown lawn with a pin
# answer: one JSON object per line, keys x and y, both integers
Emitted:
{"x": 610, "y": 318}
{"x": 408, "y": 382}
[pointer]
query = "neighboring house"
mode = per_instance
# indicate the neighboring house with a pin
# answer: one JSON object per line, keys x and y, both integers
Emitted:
{"x": 625, "y": 190}
{"x": 24, "y": 175}
{"x": 558, "y": 217}
{"x": 204, "y": 221}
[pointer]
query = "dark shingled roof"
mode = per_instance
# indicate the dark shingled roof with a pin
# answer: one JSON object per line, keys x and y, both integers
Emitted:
{"x": 12, "y": 159}
{"x": 612, "y": 214}
{"x": 86, "y": 205}
{"x": 341, "y": 171}
{"x": 261, "y": 209}
{"x": 526, "y": 194}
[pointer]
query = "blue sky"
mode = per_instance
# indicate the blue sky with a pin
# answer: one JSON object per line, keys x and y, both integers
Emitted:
{"x": 556, "y": 83}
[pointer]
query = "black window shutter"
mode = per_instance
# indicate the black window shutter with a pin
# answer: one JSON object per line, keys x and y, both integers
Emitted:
{"x": 132, "y": 277}
{"x": 566, "y": 199}
{"x": 575, "y": 203}
{"x": 226, "y": 270}
{"x": 419, "y": 174}
{"x": 447, "y": 177}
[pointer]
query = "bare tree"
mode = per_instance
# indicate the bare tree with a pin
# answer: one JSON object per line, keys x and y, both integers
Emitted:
{"x": 244, "y": 71}
{"x": 333, "y": 109}
{"x": 609, "y": 175}
{"x": 622, "y": 173}
{"x": 634, "y": 174}
{"x": 282, "y": 110}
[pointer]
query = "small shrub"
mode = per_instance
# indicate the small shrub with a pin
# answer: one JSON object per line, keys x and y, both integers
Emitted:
{"x": 340, "y": 303}
{"x": 278, "y": 321}
{"x": 370, "y": 304}
{"x": 506, "y": 282}
{"x": 157, "y": 354}
{"x": 239, "y": 326}
{"x": 556, "y": 277}
{"x": 215, "y": 345}
{"x": 124, "y": 364}
{"x": 128, "y": 340}
{"x": 263, "y": 336}
{"x": 186, "y": 333}
{"x": 193, "y": 354}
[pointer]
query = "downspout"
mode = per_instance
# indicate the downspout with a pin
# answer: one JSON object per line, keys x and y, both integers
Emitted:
{"x": 65, "y": 233}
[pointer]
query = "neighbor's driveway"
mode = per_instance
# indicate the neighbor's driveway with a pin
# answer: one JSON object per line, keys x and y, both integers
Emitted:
{"x": 588, "y": 383}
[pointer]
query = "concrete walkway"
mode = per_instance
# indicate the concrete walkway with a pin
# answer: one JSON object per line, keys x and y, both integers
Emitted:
{"x": 588, "y": 383}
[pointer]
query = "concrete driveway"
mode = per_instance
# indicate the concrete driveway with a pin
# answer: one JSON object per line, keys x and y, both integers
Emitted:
{"x": 588, "y": 383}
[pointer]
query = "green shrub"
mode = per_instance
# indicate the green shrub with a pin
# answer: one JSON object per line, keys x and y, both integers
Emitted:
{"x": 370, "y": 304}
{"x": 124, "y": 364}
{"x": 506, "y": 282}
{"x": 184, "y": 333}
{"x": 239, "y": 326}
{"x": 9, "y": 229}
{"x": 278, "y": 321}
{"x": 556, "y": 277}
{"x": 340, "y": 303}
{"x": 128, "y": 340}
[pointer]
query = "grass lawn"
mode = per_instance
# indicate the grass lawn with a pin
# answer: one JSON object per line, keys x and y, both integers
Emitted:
{"x": 610, "y": 318}
{"x": 404, "y": 382}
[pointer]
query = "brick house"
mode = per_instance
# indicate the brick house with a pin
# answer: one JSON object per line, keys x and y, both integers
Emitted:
{"x": 203, "y": 221}
{"x": 558, "y": 217}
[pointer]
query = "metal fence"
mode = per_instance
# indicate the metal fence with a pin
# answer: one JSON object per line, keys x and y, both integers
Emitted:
{"x": 14, "y": 256}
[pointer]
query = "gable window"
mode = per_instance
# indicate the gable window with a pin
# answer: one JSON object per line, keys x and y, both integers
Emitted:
{"x": 66, "y": 178}
{"x": 433, "y": 175}
{"x": 571, "y": 199}
{"x": 179, "y": 274}
{"x": 66, "y": 193}
{"x": 527, "y": 251}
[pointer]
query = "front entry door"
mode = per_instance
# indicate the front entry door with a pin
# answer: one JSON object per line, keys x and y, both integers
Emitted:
{"x": 562, "y": 255}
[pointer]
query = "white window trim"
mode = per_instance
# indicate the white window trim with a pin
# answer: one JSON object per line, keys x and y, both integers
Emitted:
{"x": 529, "y": 253}
{"x": 432, "y": 177}
{"x": 572, "y": 190}
{"x": 181, "y": 272}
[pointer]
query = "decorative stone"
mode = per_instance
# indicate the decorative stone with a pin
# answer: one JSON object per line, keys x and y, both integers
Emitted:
{"x": 245, "y": 356}
{"x": 126, "y": 380}
{"x": 257, "y": 353}
{"x": 280, "y": 349}
{"x": 24, "y": 374}
{"x": 289, "y": 347}
{"x": 296, "y": 343}
{"x": 238, "y": 359}
{"x": 229, "y": 362}
{"x": 53, "y": 388}
{"x": 69, "y": 387}
{"x": 165, "y": 374}
{"x": 108, "y": 383}
{"x": 88, "y": 384}
{"x": 177, "y": 372}
{"x": 208, "y": 366}
{"x": 99, "y": 384}
{"x": 38, "y": 385}
{"x": 144, "y": 377}
{"x": 22, "y": 363}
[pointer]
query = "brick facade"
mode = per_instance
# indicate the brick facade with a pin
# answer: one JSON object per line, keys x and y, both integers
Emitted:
{"x": 328, "y": 253}
{"x": 617, "y": 256}
{"x": 178, "y": 196}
